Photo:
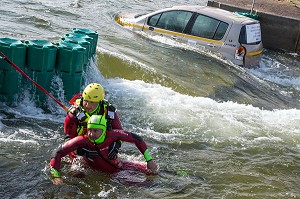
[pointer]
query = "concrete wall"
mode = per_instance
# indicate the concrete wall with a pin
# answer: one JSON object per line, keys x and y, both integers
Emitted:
{"x": 278, "y": 33}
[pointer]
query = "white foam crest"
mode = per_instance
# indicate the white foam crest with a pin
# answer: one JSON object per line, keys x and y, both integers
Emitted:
{"x": 131, "y": 158}
{"x": 76, "y": 4}
{"x": 172, "y": 135}
{"x": 198, "y": 115}
{"x": 28, "y": 109}
{"x": 27, "y": 135}
{"x": 77, "y": 164}
{"x": 283, "y": 80}
{"x": 277, "y": 78}
{"x": 285, "y": 122}
{"x": 15, "y": 137}
{"x": 273, "y": 71}
{"x": 19, "y": 141}
{"x": 40, "y": 136}
{"x": 57, "y": 87}
{"x": 105, "y": 194}
{"x": 272, "y": 139}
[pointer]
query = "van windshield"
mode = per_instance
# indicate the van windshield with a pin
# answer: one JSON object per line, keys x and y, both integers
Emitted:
{"x": 250, "y": 34}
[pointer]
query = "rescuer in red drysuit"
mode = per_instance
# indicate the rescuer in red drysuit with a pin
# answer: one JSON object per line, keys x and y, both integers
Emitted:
{"x": 98, "y": 140}
{"x": 91, "y": 102}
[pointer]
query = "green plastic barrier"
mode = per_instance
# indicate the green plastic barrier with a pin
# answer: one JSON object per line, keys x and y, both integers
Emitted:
{"x": 72, "y": 83}
{"x": 70, "y": 57}
{"x": 92, "y": 34}
{"x": 246, "y": 14}
{"x": 77, "y": 40}
{"x": 15, "y": 51}
{"x": 10, "y": 85}
{"x": 41, "y": 55}
{"x": 42, "y": 78}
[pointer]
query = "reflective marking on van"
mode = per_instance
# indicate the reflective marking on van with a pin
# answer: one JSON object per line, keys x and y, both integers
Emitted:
{"x": 255, "y": 53}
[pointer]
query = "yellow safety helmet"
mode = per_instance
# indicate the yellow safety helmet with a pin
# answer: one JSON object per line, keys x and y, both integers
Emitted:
{"x": 93, "y": 93}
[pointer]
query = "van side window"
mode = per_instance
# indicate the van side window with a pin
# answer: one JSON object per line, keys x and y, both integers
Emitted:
{"x": 208, "y": 27}
{"x": 153, "y": 20}
{"x": 221, "y": 31}
{"x": 173, "y": 20}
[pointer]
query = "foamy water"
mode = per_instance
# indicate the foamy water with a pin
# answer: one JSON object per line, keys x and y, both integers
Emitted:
{"x": 216, "y": 130}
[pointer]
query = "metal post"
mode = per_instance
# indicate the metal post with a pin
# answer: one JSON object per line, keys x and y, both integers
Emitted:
{"x": 253, "y": 2}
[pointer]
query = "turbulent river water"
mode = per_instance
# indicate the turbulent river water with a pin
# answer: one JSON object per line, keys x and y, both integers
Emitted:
{"x": 215, "y": 129}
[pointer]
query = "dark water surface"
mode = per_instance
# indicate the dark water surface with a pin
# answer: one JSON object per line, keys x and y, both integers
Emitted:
{"x": 216, "y": 130}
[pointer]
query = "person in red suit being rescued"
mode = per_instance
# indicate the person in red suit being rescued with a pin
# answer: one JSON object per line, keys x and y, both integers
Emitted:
{"x": 98, "y": 139}
{"x": 83, "y": 106}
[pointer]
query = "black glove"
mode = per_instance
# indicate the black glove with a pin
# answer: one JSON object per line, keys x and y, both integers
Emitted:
{"x": 85, "y": 151}
{"x": 67, "y": 138}
{"x": 114, "y": 150}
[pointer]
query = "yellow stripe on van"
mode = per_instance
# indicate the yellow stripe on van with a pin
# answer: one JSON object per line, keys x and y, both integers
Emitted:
{"x": 123, "y": 23}
{"x": 184, "y": 35}
{"x": 255, "y": 53}
{"x": 137, "y": 26}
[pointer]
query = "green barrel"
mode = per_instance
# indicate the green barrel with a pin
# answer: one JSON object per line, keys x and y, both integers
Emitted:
{"x": 85, "y": 37}
{"x": 42, "y": 78}
{"x": 10, "y": 85}
{"x": 82, "y": 42}
{"x": 246, "y": 14}
{"x": 92, "y": 34}
{"x": 41, "y": 55}
{"x": 70, "y": 57}
{"x": 72, "y": 83}
{"x": 15, "y": 50}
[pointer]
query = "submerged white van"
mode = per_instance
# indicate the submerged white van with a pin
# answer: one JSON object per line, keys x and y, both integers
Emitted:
{"x": 237, "y": 38}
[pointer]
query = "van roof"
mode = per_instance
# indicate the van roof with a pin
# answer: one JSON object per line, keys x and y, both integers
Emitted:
{"x": 218, "y": 13}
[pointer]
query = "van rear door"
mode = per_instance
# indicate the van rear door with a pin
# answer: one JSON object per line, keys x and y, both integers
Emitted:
{"x": 250, "y": 38}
